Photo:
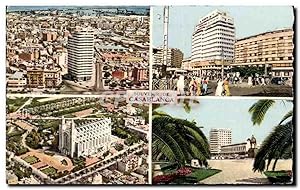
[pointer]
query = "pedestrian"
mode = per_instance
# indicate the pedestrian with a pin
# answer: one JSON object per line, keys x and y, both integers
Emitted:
{"x": 204, "y": 85}
{"x": 191, "y": 86}
{"x": 263, "y": 81}
{"x": 253, "y": 81}
{"x": 226, "y": 87}
{"x": 250, "y": 81}
{"x": 219, "y": 89}
{"x": 180, "y": 85}
{"x": 199, "y": 86}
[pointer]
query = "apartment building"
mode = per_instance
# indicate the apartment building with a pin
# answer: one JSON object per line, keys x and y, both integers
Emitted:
{"x": 174, "y": 57}
{"x": 41, "y": 77}
{"x": 219, "y": 138}
{"x": 80, "y": 55}
{"x": 213, "y": 39}
{"x": 272, "y": 49}
{"x": 16, "y": 82}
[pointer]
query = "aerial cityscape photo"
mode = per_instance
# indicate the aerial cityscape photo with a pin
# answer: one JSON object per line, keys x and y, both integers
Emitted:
{"x": 216, "y": 141}
{"x": 223, "y": 51}
{"x": 76, "y": 141}
{"x": 77, "y": 50}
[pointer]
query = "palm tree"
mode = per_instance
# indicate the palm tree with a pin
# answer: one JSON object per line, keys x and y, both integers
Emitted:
{"x": 177, "y": 140}
{"x": 278, "y": 142}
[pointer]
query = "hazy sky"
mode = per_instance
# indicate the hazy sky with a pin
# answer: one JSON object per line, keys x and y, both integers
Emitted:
{"x": 230, "y": 113}
{"x": 248, "y": 20}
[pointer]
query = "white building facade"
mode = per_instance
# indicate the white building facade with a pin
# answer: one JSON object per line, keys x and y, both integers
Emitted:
{"x": 219, "y": 138}
{"x": 214, "y": 38}
{"x": 80, "y": 55}
{"x": 87, "y": 138}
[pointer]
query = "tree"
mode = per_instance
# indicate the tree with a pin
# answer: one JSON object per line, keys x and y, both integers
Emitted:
{"x": 177, "y": 140}
{"x": 279, "y": 142}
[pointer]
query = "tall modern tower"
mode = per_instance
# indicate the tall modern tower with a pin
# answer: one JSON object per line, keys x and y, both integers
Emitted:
{"x": 214, "y": 38}
{"x": 218, "y": 138}
{"x": 80, "y": 55}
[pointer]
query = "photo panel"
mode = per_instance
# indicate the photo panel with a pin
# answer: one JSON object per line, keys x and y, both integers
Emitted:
{"x": 223, "y": 142}
{"x": 59, "y": 141}
{"x": 77, "y": 49}
{"x": 223, "y": 51}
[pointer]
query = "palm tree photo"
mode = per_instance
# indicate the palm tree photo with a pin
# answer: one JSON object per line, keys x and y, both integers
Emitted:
{"x": 177, "y": 140}
{"x": 279, "y": 142}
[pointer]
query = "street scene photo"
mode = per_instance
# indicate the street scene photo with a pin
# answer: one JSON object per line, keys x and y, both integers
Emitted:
{"x": 218, "y": 141}
{"x": 77, "y": 50}
{"x": 76, "y": 141}
{"x": 223, "y": 51}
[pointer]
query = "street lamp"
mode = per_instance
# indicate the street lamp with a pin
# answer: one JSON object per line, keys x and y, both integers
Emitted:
{"x": 222, "y": 55}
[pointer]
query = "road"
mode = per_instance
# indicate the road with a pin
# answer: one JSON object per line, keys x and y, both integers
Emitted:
{"x": 89, "y": 170}
{"x": 245, "y": 90}
{"x": 240, "y": 172}
{"x": 26, "y": 103}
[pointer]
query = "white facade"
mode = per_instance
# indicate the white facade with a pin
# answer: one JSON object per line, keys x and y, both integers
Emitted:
{"x": 214, "y": 38}
{"x": 80, "y": 55}
{"x": 84, "y": 139}
{"x": 16, "y": 82}
{"x": 219, "y": 138}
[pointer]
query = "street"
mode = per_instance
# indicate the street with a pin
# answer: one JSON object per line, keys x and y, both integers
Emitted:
{"x": 244, "y": 90}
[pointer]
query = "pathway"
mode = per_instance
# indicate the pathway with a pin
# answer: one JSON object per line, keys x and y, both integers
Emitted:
{"x": 240, "y": 172}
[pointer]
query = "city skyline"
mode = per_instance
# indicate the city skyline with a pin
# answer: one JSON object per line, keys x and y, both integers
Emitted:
{"x": 187, "y": 17}
{"x": 228, "y": 116}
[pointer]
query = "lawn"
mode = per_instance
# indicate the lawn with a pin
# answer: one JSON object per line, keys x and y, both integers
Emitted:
{"x": 201, "y": 173}
{"x": 49, "y": 171}
{"x": 14, "y": 104}
{"x": 31, "y": 159}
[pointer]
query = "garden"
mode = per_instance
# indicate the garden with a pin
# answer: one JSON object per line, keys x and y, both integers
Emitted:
{"x": 14, "y": 104}
{"x": 50, "y": 171}
{"x": 183, "y": 175}
{"x": 31, "y": 159}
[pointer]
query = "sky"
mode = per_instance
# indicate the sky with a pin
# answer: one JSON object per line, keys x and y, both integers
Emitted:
{"x": 248, "y": 20}
{"x": 230, "y": 113}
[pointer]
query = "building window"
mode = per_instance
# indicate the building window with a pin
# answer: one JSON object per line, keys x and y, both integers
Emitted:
{"x": 290, "y": 58}
{"x": 280, "y": 38}
{"x": 273, "y": 58}
{"x": 286, "y": 73}
{"x": 281, "y": 58}
{"x": 277, "y": 73}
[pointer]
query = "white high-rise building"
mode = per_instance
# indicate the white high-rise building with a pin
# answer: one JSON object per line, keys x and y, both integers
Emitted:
{"x": 214, "y": 38}
{"x": 84, "y": 137}
{"x": 81, "y": 54}
{"x": 219, "y": 138}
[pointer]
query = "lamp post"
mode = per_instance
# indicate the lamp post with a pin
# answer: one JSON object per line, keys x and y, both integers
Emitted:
{"x": 165, "y": 44}
{"x": 222, "y": 55}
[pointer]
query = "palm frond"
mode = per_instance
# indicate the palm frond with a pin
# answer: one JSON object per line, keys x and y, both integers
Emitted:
{"x": 274, "y": 145}
{"x": 286, "y": 116}
{"x": 259, "y": 109}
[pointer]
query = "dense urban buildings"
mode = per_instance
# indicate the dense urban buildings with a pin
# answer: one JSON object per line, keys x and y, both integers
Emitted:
{"x": 84, "y": 138}
{"x": 213, "y": 38}
{"x": 174, "y": 57}
{"x": 81, "y": 54}
{"x": 219, "y": 138}
{"x": 56, "y": 51}
{"x": 272, "y": 49}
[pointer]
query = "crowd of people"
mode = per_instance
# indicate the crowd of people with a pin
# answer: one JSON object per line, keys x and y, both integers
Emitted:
{"x": 198, "y": 86}
{"x": 222, "y": 88}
